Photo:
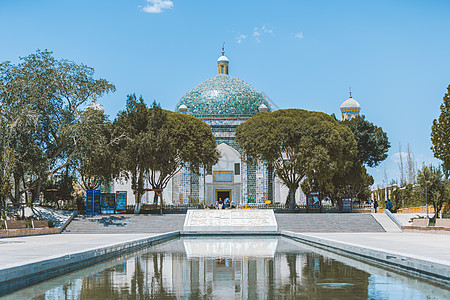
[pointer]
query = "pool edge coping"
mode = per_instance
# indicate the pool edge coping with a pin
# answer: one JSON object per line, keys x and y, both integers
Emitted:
{"x": 420, "y": 267}
{"x": 18, "y": 277}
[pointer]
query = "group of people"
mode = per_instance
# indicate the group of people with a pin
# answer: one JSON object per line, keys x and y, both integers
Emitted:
{"x": 388, "y": 205}
{"x": 223, "y": 204}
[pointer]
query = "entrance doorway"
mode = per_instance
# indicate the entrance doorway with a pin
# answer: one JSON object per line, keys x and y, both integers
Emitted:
{"x": 223, "y": 194}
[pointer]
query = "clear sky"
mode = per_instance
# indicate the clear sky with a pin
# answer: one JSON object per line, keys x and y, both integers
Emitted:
{"x": 395, "y": 54}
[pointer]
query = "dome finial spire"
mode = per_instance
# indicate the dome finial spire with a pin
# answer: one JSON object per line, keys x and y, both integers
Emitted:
{"x": 350, "y": 91}
{"x": 223, "y": 62}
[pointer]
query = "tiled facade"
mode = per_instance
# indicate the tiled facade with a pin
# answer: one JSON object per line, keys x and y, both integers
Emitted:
{"x": 224, "y": 102}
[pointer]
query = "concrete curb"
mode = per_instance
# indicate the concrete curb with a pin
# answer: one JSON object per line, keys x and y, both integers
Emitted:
{"x": 18, "y": 277}
{"x": 228, "y": 233}
{"x": 424, "y": 268}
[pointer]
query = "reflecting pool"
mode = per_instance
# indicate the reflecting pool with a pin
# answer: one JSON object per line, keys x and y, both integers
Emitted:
{"x": 233, "y": 268}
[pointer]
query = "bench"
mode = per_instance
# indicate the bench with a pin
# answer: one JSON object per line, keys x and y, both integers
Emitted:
{"x": 442, "y": 223}
{"x": 15, "y": 224}
{"x": 39, "y": 224}
{"x": 420, "y": 222}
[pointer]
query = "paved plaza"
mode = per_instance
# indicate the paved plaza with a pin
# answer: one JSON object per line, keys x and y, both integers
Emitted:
{"x": 24, "y": 250}
{"x": 22, "y": 256}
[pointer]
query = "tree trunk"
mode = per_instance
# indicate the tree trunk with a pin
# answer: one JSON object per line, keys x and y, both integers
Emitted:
{"x": 137, "y": 200}
{"x": 320, "y": 201}
{"x": 16, "y": 188}
{"x": 155, "y": 198}
{"x": 37, "y": 191}
{"x": 292, "y": 198}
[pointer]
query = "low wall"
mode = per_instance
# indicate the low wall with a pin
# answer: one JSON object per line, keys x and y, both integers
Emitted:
{"x": 421, "y": 209}
{"x": 427, "y": 229}
{"x": 415, "y": 265}
{"x": 28, "y": 231}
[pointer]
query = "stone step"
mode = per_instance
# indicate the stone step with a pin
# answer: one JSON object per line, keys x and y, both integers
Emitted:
{"x": 333, "y": 222}
{"x": 296, "y": 222}
{"x": 125, "y": 224}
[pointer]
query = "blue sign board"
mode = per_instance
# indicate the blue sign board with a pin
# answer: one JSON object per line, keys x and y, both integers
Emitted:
{"x": 108, "y": 201}
{"x": 93, "y": 202}
{"x": 121, "y": 202}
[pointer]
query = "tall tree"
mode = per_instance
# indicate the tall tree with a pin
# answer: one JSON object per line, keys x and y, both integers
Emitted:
{"x": 177, "y": 140}
{"x": 440, "y": 133}
{"x": 96, "y": 162}
{"x": 52, "y": 91}
{"x": 130, "y": 130}
{"x": 373, "y": 142}
{"x": 298, "y": 143}
{"x": 436, "y": 189}
{"x": 155, "y": 144}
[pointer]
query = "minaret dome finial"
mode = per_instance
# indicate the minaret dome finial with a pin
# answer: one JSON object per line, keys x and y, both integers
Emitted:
{"x": 223, "y": 48}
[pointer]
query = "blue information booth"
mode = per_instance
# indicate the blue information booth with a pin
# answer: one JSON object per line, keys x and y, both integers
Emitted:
{"x": 108, "y": 203}
{"x": 93, "y": 202}
{"x": 121, "y": 202}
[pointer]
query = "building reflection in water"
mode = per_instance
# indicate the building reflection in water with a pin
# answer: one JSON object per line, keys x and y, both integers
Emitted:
{"x": 241, "y": 268}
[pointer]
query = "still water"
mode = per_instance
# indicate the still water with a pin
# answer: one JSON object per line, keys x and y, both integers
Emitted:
{"x": 233, "y": 268}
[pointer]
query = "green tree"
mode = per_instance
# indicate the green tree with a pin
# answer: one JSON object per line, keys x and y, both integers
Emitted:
{"x": 298, "y": 143}
{"x": 354, "y": 182}
{"x": 177, "y": 140}
{"x": 433, "y": 185}
{"x": 96, "y": 162}
{"x": 155, "y": 144}
{"x": 373, "y": 142}
{"x": 132, "y": 147}
{"x": 440, "y": 133}
{"x": 48, "y": 92}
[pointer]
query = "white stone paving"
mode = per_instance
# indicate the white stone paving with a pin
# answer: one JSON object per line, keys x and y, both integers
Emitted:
{"x": 24, "y": 250}
{"x": 426, "y": 246}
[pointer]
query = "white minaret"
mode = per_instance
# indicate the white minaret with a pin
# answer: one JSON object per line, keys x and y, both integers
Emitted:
{"x": 350, "y": 108}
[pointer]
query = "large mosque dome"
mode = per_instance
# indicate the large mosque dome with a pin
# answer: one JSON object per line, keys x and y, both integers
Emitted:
{"x": 223, "y": 96}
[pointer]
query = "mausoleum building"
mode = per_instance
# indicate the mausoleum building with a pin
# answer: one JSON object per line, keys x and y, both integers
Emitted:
{"x": 223, "y": 102}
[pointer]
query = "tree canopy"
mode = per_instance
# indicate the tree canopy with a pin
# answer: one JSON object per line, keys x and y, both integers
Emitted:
{"x": 156, "y": 143}
{"x": 298, "y": 143}
{"x": 373, "y": 143}
{"x": 440, "y": 133}
{"x": 432, "y": 184}
{"x": 41, "y": 99}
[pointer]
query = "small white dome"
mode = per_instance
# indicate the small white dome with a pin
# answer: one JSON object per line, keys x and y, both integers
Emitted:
{"x": 183, "y": 108}
{"x": 262, "y": 107}
{"x": 223, "y": 59}
{"x": 95, "y": 106}
{"x": 350, "y": 103}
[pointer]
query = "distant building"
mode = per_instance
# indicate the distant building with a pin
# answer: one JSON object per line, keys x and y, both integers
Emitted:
{"x": 350, "y": 108}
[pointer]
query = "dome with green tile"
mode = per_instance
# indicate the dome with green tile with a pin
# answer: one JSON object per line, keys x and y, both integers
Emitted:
{"x": 223, "y": 96}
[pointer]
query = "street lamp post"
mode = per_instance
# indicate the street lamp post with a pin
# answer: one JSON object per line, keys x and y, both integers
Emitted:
{"x": 426, "y": 200}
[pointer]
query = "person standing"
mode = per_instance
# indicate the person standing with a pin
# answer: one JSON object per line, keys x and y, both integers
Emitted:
{"x": 389, "y": 205}
{"x": 226, "y": 203}
{"x": 375, "y": 206}
{"x": 220, "y": 203}
{"x": 233, "y": 203}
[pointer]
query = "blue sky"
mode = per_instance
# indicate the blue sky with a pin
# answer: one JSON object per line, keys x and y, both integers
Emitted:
{"x": 302, "y": 54}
